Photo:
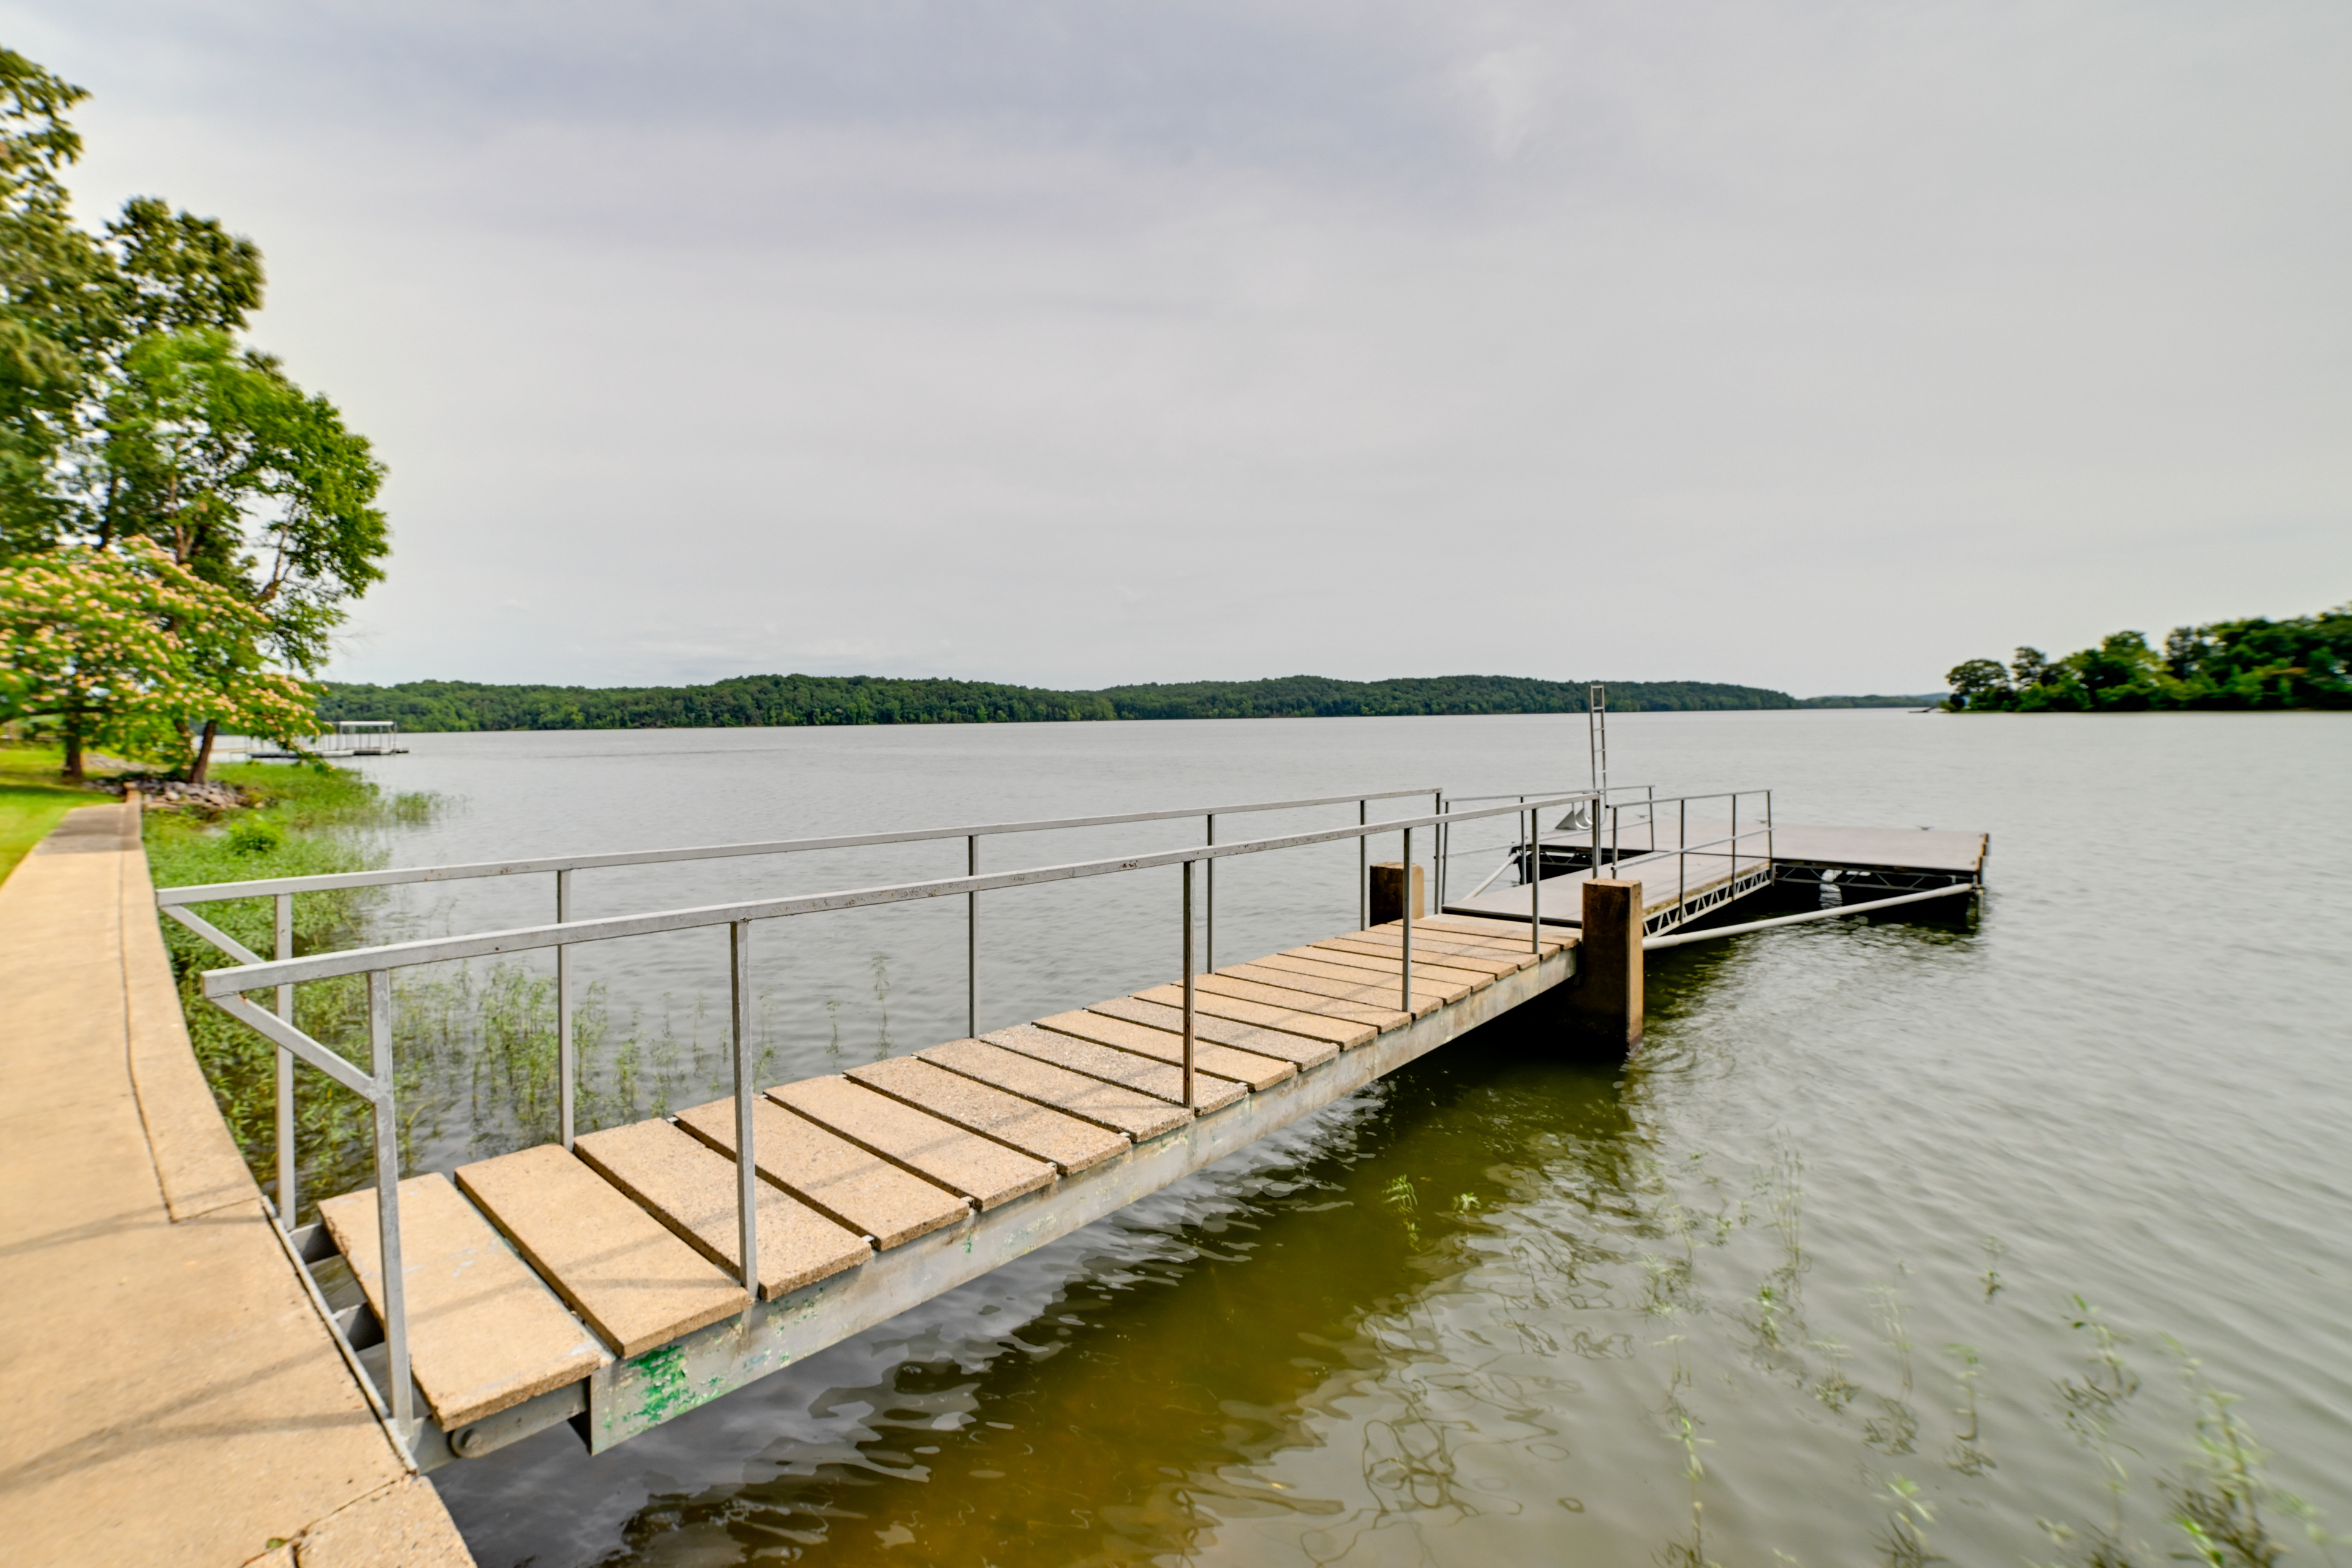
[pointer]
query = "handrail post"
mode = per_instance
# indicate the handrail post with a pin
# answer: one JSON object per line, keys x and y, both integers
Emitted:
{"x": 1437, "y": 850}
{"x": 972, "y": 939}
{"x": 1406, "y": 900}
{"x": 1597, "y": 799}
{"x": 1209, "y": 905}
{"x": 1535, "y": 891}
{"x": 567, "y": 1069}
{"x": 286, "y": 1196}
{"x": 1771, "y": 858}
{"x": 1682, "y": 857}
{"x": 387, "y": 1204}
{"x": 1189, "y": 1102}
{"x": 1363, "y": 868}
{"x": 747, "y": 1164}
{"x": 1734, "y": 839}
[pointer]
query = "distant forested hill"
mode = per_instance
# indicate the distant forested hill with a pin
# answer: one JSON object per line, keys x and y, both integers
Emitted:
{"x": 1927, "y": 700}
{"x": 2304, "y": 661}
{"x": 758, "y": 700}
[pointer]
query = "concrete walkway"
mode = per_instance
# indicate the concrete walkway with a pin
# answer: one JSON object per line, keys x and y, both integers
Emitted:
{"x": 170, "y": 1395}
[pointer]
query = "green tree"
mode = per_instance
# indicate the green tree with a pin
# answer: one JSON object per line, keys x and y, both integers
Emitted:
{"x": 2302, "y": 662}
{"x": 52, "y": 285}
{"x": 129, "y": 411}
{"x": 2122, "y": 673}
{"x": 128, "y": 649}
{"x": 1978, "y": 686}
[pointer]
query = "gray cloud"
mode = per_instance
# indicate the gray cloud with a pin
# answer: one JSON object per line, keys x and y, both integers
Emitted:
{"x": 1808, "y": 344}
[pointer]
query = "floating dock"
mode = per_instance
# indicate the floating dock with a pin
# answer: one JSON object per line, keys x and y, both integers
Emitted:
{"x": 1689, "y": 866}
{"x": 622, "y": 1277}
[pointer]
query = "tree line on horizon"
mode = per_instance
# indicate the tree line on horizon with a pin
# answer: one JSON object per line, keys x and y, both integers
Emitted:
{"x": 2303, "y": 662}
{"x": 799, "y": 700}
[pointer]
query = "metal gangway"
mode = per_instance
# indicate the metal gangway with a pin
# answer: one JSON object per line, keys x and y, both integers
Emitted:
{"x": 624, "y": 1275}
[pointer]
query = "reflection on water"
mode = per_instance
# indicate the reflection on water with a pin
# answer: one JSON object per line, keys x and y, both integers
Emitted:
{"x": 1871, "y": 1256}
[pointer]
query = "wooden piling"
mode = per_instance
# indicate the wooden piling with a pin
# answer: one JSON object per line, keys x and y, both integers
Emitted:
{"x": 1607, "y": 998}
{"x": 1388, "y": 892}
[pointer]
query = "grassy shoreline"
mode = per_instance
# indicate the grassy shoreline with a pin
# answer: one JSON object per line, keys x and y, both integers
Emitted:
{"x": 298, "y": 820}
{"x": 474, "y": 1049}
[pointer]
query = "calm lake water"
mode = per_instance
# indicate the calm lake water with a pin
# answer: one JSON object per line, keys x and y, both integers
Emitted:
{"x": 1900, "y": 1241}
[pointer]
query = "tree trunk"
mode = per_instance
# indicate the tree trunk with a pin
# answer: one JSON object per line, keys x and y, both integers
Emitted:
{"x": 73, "y": 747}
{"x": 204, "y": 753}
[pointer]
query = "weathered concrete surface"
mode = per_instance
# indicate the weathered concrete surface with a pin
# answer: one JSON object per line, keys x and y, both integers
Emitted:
{"x": 986, "y": 1172}
{"x": 1070, "y": 1143}
{"x": 1122, "y": 1067}
{"x": 1343, "y": 1033}
{"x": 1140, "y": 1116}
{"x": 172, "y": 1394}
{"x": 484, "y": 1334}
{"x": 615, "y": 1265}
{"x": 1168, "y": 1046}
{"x": 831, "y": 1175}
{"x": 690, "y": 1187}
{"x": 1296, "y": 1049}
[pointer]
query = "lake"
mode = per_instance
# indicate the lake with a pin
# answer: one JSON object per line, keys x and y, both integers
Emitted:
{"x": 1899, "y": 1240}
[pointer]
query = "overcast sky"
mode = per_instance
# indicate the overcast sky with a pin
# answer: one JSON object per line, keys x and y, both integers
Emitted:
{"x": 1808, "y": 345}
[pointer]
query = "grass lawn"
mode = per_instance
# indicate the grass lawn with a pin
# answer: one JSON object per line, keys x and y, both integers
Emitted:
{"x": 32, "y": 799}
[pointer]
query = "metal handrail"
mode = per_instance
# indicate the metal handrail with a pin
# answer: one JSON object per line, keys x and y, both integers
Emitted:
{"x": 1531, "y": 840}
{"x": 258, "y": 974}
{"x": 213, "y": 892}
{"x": 177, "y": 903}
{"x": 227, "y": 989}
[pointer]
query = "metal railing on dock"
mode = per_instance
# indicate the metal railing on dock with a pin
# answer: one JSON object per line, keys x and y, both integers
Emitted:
{"x": 1622, "y": 829}
{"x": 229, "y": 988}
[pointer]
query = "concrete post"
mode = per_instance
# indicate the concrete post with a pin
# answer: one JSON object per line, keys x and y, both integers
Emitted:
{"x": 1607, "y": 998}
{"x": 1388, "y": 892}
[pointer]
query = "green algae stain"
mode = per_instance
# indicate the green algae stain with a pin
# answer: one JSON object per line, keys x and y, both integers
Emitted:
{"x": 667, "y": 1390}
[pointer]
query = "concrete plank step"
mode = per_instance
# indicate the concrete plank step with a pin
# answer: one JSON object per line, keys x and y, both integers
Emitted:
{"x": 1223, "y": 1061}
{"x": 484, "y": 1333}
{"x": 1341, "y": 1032}
{"x": 956, "y": 1158}
{"x": 1348, "y": 986}
{"x": 1510, "y": 942}
{"x": 1479, "y": 925}
{"x": 1122, "y": 1067}
{"x": 637, "y": 1285}
{"x": 1070, "y": 1143}
{"x": 1428, "y": 979}
{"x": 1390, "y": 939}
{"x": 831, "y": 1175}
{"x": 1300, "y": 999}
{"x": 690, "y": 1187}
{"x": 1296, "y": 1049}
{"x": 1455, "y": 958}
{"x": 1434, "y": 968}
{"x": 1138, "y": 1115}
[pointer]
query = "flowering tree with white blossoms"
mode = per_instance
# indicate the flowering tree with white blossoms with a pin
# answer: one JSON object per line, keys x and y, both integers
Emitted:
{"x": 127, "y": 649}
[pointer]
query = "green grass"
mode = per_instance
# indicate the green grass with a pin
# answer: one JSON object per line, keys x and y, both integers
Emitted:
{"x": 304, "y": 821}
{"x": 32, "y": 798}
